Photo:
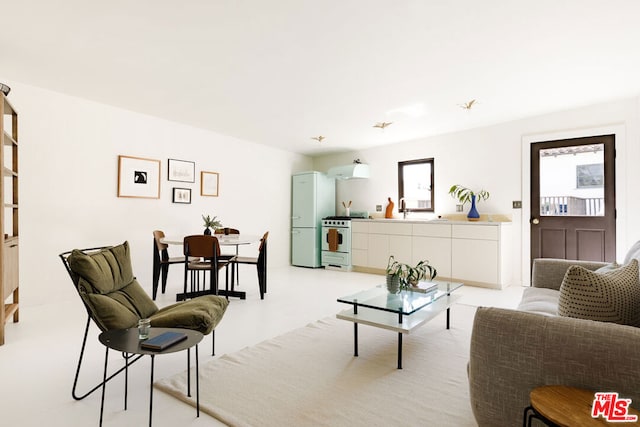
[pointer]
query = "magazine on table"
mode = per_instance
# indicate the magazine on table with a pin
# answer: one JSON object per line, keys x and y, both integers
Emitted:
{"x": 164, "y": 340}
{"x": 425, "y": 287}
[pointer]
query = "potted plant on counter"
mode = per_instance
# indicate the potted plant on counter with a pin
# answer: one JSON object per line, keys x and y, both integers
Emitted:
{"x": 464, "y": 195}
{"x": 403, "y": 276}
{"x": 210, "y": 223}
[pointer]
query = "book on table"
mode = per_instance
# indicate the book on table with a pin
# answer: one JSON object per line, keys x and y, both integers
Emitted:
{"x": 164, "y": 340}
{"x": 425, "y": 287}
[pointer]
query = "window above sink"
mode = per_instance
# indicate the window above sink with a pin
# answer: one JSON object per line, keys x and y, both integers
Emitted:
{"x": 415, "y": 185}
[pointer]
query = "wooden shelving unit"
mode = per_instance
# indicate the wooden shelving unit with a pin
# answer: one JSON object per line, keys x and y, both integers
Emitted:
{"x": 9, "y": 286}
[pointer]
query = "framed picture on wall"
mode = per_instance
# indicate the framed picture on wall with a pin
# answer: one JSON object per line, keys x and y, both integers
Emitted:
{"x": 138, "y": 177}
{"x": 209, "y": 183}
{"x": 181, "y": 195}
{"x": 181, "y": 170}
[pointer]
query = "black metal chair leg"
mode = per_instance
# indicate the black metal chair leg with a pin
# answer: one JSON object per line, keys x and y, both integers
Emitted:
{"x": 126, "y": 379}
{"x": 197, "y": 383}
{"x": 77, "y": 375}
{"x": 189, "y": 372}
{"x": 151, "y": 392}
{"x": 213, "y": 342}
{"x": 165, "y": 273}
{"x": 155, "y": 282}
{"x": 156, "y": 272}
{"x": 261, "y": 282}
{"x": 104, "y": 382}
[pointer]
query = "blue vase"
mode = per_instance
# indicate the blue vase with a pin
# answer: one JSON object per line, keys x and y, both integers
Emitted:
{"x": 473, "y": 214}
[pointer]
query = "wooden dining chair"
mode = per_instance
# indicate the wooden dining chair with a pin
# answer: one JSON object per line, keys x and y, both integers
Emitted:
{"x": 260, "y": 262}
{"x": 161, "y": 262}
{"x": 236, "y": 276}
{"x": 206, "y": 250}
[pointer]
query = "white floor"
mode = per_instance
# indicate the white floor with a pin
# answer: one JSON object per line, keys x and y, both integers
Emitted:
{"x": 38, "y": 361}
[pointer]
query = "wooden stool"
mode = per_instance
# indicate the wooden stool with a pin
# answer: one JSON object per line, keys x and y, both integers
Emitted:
{"x": 563, "y": 406}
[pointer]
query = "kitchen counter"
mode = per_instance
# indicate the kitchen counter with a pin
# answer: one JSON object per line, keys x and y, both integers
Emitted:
{"x": 473, "y": 252}
{"x": 496, "y": 220}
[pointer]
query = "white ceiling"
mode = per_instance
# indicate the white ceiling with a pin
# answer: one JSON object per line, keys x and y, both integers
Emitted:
{"x": 280, "y": 72}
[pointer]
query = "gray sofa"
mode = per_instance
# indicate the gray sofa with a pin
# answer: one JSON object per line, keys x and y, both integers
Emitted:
{"x": 514, "y": 351}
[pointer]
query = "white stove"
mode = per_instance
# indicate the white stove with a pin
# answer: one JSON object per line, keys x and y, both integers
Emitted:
{"x": 336, "y": 243}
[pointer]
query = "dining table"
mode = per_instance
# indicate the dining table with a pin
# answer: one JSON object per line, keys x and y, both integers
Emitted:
{"x": 234, "y": 240}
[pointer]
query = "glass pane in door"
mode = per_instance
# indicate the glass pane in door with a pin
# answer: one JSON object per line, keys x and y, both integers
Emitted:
{"x": 572, "y": 181}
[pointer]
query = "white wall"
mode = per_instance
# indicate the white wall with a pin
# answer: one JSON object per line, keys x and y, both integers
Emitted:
{"x": 491, "y": 158}
{"x": 68, "y": 186}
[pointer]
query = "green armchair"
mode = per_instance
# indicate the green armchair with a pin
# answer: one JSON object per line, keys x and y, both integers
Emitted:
{"x": 114, "y": 299}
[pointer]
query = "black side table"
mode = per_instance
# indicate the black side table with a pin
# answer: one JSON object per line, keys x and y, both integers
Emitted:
{"x": 126, "y": 341}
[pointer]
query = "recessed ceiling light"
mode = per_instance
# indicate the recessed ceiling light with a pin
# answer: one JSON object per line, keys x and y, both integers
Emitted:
{"x": 414, "y": 110}
{"x": 382, "y": 125}
{"x": 318, "y": 138}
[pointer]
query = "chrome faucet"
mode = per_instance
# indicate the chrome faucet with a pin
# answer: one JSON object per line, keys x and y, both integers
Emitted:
{"x": 405, "y": 210}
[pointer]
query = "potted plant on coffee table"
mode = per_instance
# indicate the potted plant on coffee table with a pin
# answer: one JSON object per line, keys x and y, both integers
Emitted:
{"x": 403, "y": 276}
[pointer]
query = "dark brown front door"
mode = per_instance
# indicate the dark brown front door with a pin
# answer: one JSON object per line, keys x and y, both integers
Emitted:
{"x": 573, "y": 199}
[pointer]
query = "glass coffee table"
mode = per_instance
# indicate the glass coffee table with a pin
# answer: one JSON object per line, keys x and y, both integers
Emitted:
{"x": 399, "y": 312}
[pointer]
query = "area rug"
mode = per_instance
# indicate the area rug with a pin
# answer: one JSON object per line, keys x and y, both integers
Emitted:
{"x": 309, "y": 377}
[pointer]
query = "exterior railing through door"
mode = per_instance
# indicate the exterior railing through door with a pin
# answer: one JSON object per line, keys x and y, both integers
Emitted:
{"x": 571, "y": 206}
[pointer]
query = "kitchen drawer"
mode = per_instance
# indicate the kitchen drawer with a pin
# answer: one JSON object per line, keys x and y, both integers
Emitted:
{"x": 479, "y": 232}
{"x": 340, "y": 259}
{"x": 432, "y": 230}
{"x": 359, "y": 226}
{"x": 403, "y": 229}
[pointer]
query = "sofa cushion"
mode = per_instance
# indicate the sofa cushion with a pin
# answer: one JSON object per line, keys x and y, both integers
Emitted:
{"x": 540, "y": 300}
{"x": 108, "y": 288}
{"x": 106, "y": 270}
{"x": 610, "y": 296}
{"x": 201, "y": 314}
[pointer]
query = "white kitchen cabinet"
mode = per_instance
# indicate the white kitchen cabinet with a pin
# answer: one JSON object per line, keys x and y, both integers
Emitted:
{"x": 475, "y": 260}
{"x": 359, "y": 227}
{"x": 360, "y": 243}
{"x": 436, "y": 250}
{"x": 477, "y": 232}
{"x": 432, "y": 230}
{"x": 396, "y": 228}
{"x": 378, "y": 253}
{"x": 400, "y": 248}
{"x": 432, "y": 242}
{"x": 481, "y": 254}
{"x": 386, "y": 239}
{"x": 476, "y": 254}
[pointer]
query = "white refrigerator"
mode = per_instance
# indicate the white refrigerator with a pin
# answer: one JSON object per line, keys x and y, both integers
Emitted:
{"x": 313, "y": 197}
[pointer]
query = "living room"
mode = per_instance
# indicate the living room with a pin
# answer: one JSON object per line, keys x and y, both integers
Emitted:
{"x": 68, "y": 163}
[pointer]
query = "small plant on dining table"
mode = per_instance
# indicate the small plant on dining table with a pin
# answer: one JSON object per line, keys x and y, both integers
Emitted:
{"x": 410, "y": 276}
{"x": 211, "y": 223}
